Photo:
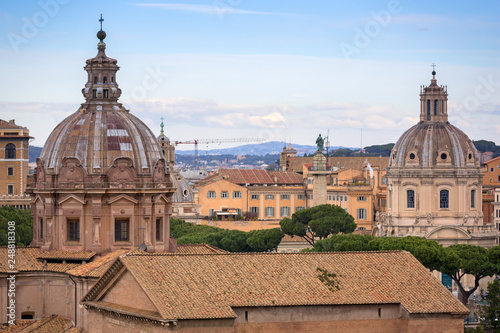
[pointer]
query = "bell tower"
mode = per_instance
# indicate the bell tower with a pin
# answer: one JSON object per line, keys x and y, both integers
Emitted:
{"x": 433, "y": 102}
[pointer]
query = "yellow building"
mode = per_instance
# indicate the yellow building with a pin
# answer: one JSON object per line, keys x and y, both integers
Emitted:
{"x": 14, "y": 158}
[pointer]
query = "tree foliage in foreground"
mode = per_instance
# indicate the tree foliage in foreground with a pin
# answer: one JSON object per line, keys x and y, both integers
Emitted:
{"x": 229, "y": 240}
{"x": 491, "y": 308}
{"x": 318, "y": 222}
{"x": 23, "y": 227}
{"x": 455, "y": 260}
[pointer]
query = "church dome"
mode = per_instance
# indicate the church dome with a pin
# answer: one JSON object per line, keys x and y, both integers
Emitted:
{"x": 434, "y": 142}
{"x": 102, "y": 130}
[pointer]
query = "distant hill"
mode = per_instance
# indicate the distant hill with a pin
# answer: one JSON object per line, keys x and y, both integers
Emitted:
{"x": 34, "y": 153}
{"x": 259, "y": 149}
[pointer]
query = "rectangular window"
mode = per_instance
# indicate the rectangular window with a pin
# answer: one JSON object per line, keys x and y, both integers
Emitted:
{"x": 345, "y": 198}
{"x": 122, "y": 230}
{"x": 298, "y": 208}
{"x": 473, "y": 199}
{"x": 238, "y": 211}
{"x": 255, "y": 197}
{"x": 73, "y": 230}
{"x": 10, "y": 189}
{"x": 211, "y": 195}
{"x": 361, "y": 198}
{"x": 285, "y": 197}
{"x": 254, "y": 210}
{"x": 236, "y": 195}
{"x": 224, "y": 195}
{"x": 10, "y": 171}
{"x": 498, "y": 178}
{"x": 491, "y": 169}
{"x": 269, "y": 211}
{"x": 341, "y": 198}
{"x": 498, "y": 166}
{"x": 384, "y": 181}
{"x": 285, "y": 211}
{"x": 94, "y": 93}
{"x": 444, "y": 199}
{"x": 159, "y": 229}
{"x": 300, "y": 197}
{"x": 210, "y": 212}
{"x": 269, "y": 196}
{"x": 41, "y": 229}
{"x": 410, "y": 199}
{"x": 361, "y": 213}
{"x": 105, "y": 93}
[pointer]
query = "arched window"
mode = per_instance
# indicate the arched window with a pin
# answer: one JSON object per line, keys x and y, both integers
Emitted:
{"x": 472, "y": 198}
{"x": 95, "y": 79}
{"x": 444, "y": 199}
{"x": 104, "y": 79}
{"x": 410, "y": 199}
{"x": 112, "y": 79}
{"x": 428, "y": 109}
{"x": 10, "y": 151}
{"x": 436, "y": 103}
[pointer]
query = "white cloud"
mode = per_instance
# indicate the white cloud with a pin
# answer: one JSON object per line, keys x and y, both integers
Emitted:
{"x": 218, "y": 8}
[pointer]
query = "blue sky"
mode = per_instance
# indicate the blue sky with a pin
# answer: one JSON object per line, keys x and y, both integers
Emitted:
{"x": 282, "y": 70}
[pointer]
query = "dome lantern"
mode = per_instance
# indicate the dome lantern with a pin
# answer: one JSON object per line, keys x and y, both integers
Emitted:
{"x": 433, "y": 102}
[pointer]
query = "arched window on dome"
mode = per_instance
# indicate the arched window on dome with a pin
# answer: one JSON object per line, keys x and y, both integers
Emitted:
{"x": 410, "y": 199}
{"x": 428, "y": 109}
{"x": 436, "y": 103}
{"x": 444, "y": 199}
{"x": 472, "y": 198}
{"x": 10, "y": 151}
{"x": 95, "y": 79}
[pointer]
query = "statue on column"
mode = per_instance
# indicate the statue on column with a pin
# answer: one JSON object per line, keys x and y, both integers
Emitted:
{"x": 320, "y": 143}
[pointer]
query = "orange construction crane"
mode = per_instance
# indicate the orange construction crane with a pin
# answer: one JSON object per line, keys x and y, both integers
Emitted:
{"x": 208, "y": 141}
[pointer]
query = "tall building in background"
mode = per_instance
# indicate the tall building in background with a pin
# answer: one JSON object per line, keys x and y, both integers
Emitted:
{"x": 14, "y": 159}
{"x": 435, "y": 181}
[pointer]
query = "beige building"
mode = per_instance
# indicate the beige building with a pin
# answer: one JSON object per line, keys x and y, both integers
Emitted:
{"x": 303, "y": 292}
{"x": 14, "y": 169}
{"x": 435, "y": 181}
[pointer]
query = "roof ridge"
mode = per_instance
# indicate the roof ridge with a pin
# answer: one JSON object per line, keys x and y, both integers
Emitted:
{"x": 260, "y": 253}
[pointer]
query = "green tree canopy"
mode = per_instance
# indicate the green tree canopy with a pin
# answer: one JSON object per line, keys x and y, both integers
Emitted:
{"x": 490, "y": 311}
{"x": 229, "y": 240}
{"x": 318, "y": 222}
{"x": 24, "y": 225}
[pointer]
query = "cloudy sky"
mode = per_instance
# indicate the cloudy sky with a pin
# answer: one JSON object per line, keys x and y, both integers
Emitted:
{"x": 280, "y": 70}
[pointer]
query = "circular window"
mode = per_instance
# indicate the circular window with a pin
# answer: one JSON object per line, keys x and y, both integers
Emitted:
{"x": 412, "y": 156}
{"x": 444, "y": 156}
{"x": 185, "y": 193}
{"x": 470, "y": 156}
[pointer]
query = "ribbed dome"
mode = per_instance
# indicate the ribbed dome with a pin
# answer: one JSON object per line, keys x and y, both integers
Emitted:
{"x": 98, "y": 138}
{"x": 432, "y": 144}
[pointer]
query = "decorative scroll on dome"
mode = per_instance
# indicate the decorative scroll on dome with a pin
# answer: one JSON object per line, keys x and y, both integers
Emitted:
{"x": 122, "y": 172}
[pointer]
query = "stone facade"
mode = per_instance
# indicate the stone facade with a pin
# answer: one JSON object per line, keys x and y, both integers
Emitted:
{"x": 14, "y": 158}
{"x": 435, "y": 181}
{"x": 101, "y": 182}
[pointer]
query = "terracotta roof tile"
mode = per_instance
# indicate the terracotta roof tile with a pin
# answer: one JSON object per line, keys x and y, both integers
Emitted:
{"x": 351, "y": 162}
{"x": 198, "y": 249}
{"x": 98, "y": 266}
{"x": 72, "y": 255}
{"x": 208, "y": 286}
{"x": 52, "y": 324}
{"x": 255, "y": 177}
{"x": 6, "y": 124}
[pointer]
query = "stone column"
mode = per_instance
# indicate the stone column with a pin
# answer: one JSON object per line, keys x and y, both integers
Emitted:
{"x": 319, "y": 174}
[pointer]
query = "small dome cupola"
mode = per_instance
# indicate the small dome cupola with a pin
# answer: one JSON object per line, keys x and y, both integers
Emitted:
{"x": 433, "y": 102}
{"x": 101, "y": 87}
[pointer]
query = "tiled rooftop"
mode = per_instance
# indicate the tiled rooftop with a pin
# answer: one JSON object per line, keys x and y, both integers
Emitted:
{"x": 52, "y": 324}
{"x": 351, "y": 162}
{"x": 97, "y": 267}
{"x": 198, "y": 249}
{"x": 255, "y": 177}
{"x": 70, "y": 255}
{"x": 208, "y": 286}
